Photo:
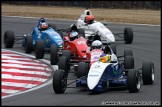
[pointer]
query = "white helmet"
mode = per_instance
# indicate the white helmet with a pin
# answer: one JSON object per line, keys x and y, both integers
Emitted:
{"x": 96, "y": 44}
{"x": 73, "y": 35}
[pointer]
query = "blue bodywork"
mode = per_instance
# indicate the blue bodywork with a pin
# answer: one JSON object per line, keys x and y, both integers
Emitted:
{"x": 49, "y": 36}
{"x": 113, "y": 76}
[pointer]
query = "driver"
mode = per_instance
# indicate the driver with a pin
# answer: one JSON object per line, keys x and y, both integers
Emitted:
{"x": 43, "y": 26}
{"x": 96, "y": 45}
{"x": 105, "y": 58}
{"x": 89, "y": 19}
{"x": 41, "y": 20}
{"x": 73, "y": 35}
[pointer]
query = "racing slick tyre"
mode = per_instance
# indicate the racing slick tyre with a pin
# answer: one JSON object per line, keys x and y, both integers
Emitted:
{"x": 134, "y": 81}
{"x": 67, "y": 53}
{"x": 128, "y": 35}
{"x": 53, "y": 54}
{"x": 28, "y": 44}
{"x": 81, "y": 32}
{"x": 129, "y": 62}
{"x": 113, "y": 47}
{"x": 53, "y": 26}
{"x": 82, "y": 69}
{"x": 39, "y": 49}
{"x": 59, "y": 81}
{"x": 148, "y": 73}
{"x": 9, "y": 39}
{"x": 96, "y": 37}
{"x": 63, "y": 64}
{"x": 128, "y": 52}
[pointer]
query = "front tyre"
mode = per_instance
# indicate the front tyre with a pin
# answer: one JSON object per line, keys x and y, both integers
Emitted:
{"x": 39, "y": 49}
{"x": 148, "y": 73}
{"x": 128, "y": 35}
{"x": 59, "y": 81}
{"x": 82, "y": 69}
{"x": 28, "y": 44}
{"x": 134, "y": 81}
{"x": 8, "y": 39}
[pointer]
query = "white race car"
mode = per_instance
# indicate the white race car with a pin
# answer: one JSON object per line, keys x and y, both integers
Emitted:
{"x": 98, "y": 31}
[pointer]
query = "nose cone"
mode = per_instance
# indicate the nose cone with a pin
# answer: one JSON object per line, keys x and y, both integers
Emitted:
{"x": 110, "y": 38}
{"x": 91, "y": 82}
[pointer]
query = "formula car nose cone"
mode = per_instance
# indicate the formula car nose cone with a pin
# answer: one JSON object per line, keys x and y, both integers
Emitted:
{"x": 110, "y": 38}
{"x": 92, "y": 83}
{"x": 95, "y": 73}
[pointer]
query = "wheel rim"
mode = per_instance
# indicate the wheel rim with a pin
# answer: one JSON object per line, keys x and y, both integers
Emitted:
{"x": 138, "y": 81}
{"x": 153, "y": 74}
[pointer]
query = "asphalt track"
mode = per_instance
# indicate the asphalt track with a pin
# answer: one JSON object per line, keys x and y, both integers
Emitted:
{"x": 146, "y": 47}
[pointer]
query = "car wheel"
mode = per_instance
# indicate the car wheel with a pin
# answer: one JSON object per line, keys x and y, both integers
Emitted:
{"x": 128, "y": 35}
{"x": 63, "y": 64}
{"x": 128, "y": 52}
{"x": 148, "y": 73}
{"x": 53, "y": 26}
{"x": 8, "y": 39}
{"x": 28, "y": 44}
{"x": 82, "y": 69}
{"x": 39, "y": 49}
{"x": 113, "y": 47}
{"x": 134, "y": 81}
{"x": 53, "y": 54}
{"x": 59, "y": 81}
{"x": 129, "y": 62}
{"x": 67, "y": 53}
{"x": 81, "y": 32}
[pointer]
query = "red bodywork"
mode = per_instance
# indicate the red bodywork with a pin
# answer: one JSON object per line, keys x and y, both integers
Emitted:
{"x": 80, "y": 49}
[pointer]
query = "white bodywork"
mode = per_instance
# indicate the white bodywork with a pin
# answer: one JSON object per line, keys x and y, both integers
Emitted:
{"x": 96, "y": 71}
{"x": 105, "y": 34}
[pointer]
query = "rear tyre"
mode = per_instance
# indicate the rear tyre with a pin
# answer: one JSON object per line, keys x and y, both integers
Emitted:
{"x": 128, "y": 35}
{"x": 81, "y": 32}
{"x": 9, "y": 39}
{"x": 39, "y": 49}
{"x": 59, "y": 81}
{"x": 129, "y": 62}
{"x": 134, "y": 81}
{"x": 53, "y": 26}
{"x": 28, "y": 44}
{"x": 148, "y": 73}
{"x": 82, "y": 69}
{"x": 128, "y": 52}
{"x": 53, "y": 54}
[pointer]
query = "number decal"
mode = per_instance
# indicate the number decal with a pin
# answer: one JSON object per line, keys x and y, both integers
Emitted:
{"x": 81, "y": 42}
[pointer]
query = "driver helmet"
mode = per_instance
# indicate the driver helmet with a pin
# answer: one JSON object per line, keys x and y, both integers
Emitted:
{"x": 105, "y": 58}
{"x": 73, "y": 35}
{"x": 89, "y": 19}
{"x": 41, "y": 20}
{"x": 43, "y": 26}
{"x": 96, "y": 44}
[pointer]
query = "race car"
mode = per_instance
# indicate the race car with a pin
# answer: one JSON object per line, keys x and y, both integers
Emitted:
{"x": 43, "y": 36}
{"x": 75, "y": 49}
{"x": 98, "y": 31}
{"x": 105, "y": 75}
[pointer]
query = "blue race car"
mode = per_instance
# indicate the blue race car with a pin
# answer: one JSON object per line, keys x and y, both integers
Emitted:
{"x": 42, "y": 36}
{"x": 101, "y": 76}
